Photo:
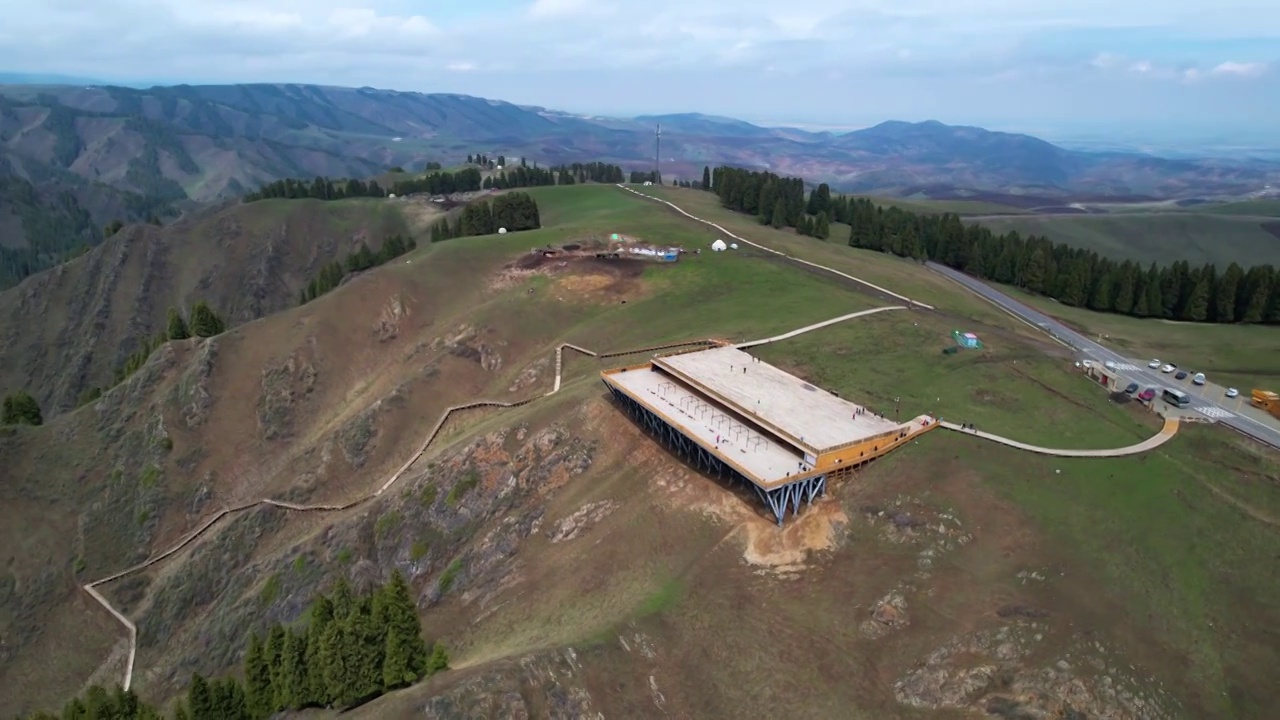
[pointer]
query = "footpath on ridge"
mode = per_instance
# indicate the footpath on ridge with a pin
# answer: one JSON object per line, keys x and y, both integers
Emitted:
{"x": 779, "y": 253}
{"x": 92, "y": 587}
{"x": 1170, "y": 428}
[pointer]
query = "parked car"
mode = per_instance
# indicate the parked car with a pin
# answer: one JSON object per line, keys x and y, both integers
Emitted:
{"x": 1182, "y": 375}
{"x": 1198, "y": 378}
{"x": 1155, "y": 363}
{"x": 1232, "y": 392}
{"x": 1168, "y": 368}
{"x": 1131, "y": 388}
{"x": 1147, "y": 395}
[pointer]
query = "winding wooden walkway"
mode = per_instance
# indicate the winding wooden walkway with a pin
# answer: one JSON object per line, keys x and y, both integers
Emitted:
{"x": 92, "y": 587}
{"x": 1166, "y": 433}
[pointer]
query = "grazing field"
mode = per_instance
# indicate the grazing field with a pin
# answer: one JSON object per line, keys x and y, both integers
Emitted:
{"x": 1124, "y": 523}
{"x": 926, "y": 206}
{"x": 1255, "y": 208}
{"x": 1159, "y": 237}
{"x": 573, "y": 567}
{"x": 900, "y": 275}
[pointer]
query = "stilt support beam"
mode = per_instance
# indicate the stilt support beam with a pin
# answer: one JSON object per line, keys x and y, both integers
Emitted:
{"x": 779, "y": 500}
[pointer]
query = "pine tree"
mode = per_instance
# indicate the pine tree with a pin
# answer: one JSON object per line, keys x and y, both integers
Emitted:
{"x": 200, "y": 698}
{"x": 291, "y": 685}
{"x": 317, "y": 655}
{"x": 260, "y": 695}
{"x": 439, "y": 660}
{"x": 204, "y": 321}
{"x": 21, "y": 409}
{"x": 706, "y": 177}
{"x": 1197, "y": 307}
{"x": 822, "y": 226}
{"x": 1224, "y": 300}
{"x": 405, "y": 659}
{"x": 778, "y": 219}
{"x": 177, "y": 329}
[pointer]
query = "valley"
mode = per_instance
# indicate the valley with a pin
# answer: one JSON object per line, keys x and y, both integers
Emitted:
{"x": 571, "y": 564}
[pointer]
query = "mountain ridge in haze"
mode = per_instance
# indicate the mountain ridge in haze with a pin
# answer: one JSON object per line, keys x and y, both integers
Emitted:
{"x": 214, "y": 141}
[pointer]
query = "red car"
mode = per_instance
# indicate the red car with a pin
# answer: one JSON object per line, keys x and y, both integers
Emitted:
{"x": 1147, "y": 395}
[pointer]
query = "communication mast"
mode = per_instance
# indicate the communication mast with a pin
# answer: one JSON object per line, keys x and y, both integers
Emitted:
{"x": 657, "y": 156}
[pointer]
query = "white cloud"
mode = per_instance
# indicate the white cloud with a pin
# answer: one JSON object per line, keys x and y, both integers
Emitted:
{"x": 533, "y": 51}
{"x": 1246, "y": 69}
{"x": 543, "y": 9}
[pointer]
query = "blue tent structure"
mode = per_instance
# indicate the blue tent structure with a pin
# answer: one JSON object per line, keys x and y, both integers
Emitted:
{"x": 966, "y": 340}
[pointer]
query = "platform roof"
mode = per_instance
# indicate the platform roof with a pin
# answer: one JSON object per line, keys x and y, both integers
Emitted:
{"x": 779, "y": 401}
{"x": 765, "y": 460}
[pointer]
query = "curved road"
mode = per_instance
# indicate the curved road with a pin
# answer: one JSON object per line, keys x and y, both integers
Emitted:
{"x": 1093, "y": 350}
{"x": 1166, "y": 433}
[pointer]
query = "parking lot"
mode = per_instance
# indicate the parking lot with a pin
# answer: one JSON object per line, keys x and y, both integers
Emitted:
{"x": 1217, "y": 394}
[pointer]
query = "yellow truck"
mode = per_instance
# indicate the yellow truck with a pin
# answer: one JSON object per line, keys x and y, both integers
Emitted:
{"x": 1266, "y": 400}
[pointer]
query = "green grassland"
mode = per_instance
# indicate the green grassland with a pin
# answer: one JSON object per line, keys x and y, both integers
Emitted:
{"x": 899, "y": 275}
{"x": 1256, "y": 208}
{"x": 1118, "y": 526}
{"x": 1162, "y": 556}
{"x": 1172, "y": 555}
{"x": 1160, "y": 237}
{"x": 1243, "y": 356}
{"x": 926, "y": 206}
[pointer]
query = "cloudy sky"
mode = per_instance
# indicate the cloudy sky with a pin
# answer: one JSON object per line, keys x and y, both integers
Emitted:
{"x": 1118, "y": 66}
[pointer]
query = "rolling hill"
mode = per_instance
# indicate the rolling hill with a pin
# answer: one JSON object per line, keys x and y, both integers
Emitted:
{"x": 65, "y": 330}
{"x": 573, "y": 566}
{"x": 207, "y": 142}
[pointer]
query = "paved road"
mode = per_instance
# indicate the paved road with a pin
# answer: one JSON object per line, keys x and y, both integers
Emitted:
{"x": 1217, "y": 409}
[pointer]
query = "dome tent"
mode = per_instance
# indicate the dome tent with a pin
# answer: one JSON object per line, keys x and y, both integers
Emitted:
{"x": 718, "y": 245}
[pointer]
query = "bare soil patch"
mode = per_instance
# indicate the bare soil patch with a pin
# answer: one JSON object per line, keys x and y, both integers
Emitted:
{"x": 585, "y": 271}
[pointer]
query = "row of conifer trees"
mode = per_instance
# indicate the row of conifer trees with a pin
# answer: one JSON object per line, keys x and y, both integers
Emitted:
{"x": 352, "y": 649}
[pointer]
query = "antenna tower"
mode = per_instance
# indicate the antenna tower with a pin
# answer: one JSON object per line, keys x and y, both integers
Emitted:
{"x": 657, "y": 156}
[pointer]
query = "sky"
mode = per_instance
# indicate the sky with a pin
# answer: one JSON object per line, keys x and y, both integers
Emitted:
{"x": 1103, "y": 67}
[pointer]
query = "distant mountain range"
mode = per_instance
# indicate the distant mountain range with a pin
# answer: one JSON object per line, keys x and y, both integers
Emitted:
{"x": 201, "y": 143}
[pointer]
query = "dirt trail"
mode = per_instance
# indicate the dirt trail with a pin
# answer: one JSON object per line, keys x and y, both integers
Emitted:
{"x": 191, "y": 537}
{"x": 1242, "y": 506}
{"x": 739, "y": 238}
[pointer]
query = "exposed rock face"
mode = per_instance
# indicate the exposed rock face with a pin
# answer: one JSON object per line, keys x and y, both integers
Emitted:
{"x": 465, "y": 342}
{"x": 283, "y": 388}
{"x": 454, "y": 526}
{"x": 586, "y": 516}
{"x": 993, "y": 672}
{"x": 542, "y": 685}
{"x": 388, "y": 325}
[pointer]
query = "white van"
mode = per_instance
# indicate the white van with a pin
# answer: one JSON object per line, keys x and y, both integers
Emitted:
{"x": 1198, "y": 378}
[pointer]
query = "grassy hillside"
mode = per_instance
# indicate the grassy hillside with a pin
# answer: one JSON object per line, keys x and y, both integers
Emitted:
{"x": 66, "y": 329}
{"x": 1255, "y": 208}
{"x": 1160, "y": 237}
{"x": 573, "y": 566}
{"x": 1239, "y": 355}
{"x": 959, "y": 207}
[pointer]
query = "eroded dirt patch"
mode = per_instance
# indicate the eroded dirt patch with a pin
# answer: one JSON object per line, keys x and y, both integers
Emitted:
{"x": 584, "y": 271}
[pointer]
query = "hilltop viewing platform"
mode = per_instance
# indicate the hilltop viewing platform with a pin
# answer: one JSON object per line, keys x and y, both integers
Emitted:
{"x": 739, "y": 417}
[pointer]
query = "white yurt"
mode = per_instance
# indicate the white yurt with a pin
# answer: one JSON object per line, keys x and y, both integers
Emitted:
{"x": 718, "y": 245}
